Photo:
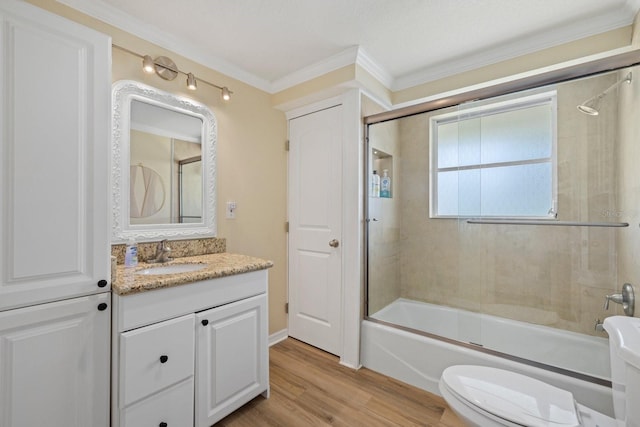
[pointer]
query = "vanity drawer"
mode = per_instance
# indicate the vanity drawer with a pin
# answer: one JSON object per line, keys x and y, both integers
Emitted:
{"x": 155, "y": 357}
{"x": 172, "y": 407}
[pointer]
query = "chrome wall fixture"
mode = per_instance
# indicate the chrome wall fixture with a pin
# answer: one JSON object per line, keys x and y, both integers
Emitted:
{"x": 626, "y": 298}
{"x": 591, "y": 105}
{"x": 165, "y": 68}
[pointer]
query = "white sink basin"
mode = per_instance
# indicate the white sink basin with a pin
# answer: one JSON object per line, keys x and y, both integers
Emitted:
{"x": 172, "y": 269}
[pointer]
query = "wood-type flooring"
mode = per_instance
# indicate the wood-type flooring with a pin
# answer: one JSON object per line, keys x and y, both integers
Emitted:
{"x": 310, "y": 388}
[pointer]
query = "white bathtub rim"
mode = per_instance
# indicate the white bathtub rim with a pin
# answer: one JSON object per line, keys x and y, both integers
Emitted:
{"x": 400, "y": 304}
{"x": 393, "y": 352}
{"x": 550, "y": 329}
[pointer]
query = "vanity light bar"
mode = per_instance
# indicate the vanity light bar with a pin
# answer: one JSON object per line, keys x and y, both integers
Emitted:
{"x": 167, "y": 69}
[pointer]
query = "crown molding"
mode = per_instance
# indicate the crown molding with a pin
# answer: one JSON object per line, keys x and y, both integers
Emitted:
{"x": 614, "y": 19}
{"x": 554, "y": 37}
{"x": 112, "y": 16}
{"x": 365, "y": 61}
{"x": 332, "y": 63}
{"x": 596, "y": 63}
{"x": 353, "y": 55}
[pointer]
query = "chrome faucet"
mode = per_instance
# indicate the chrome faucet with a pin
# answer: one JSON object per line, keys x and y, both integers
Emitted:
{"x": 626, "y": 298}
{"x": 162, "y": 252}
{"x": 617, "y": 298}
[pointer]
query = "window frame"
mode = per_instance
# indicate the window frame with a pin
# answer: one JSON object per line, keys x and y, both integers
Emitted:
{"x": 472, "y": 110}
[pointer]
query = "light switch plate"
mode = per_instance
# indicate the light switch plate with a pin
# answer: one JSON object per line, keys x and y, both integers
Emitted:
{"x": 231, "y": 210}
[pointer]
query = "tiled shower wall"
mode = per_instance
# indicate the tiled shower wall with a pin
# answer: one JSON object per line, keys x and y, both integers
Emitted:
{"x": 554, "y": 276}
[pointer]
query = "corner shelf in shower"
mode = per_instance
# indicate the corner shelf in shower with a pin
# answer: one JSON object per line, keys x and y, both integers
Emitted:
{"x": 543, "y": 222}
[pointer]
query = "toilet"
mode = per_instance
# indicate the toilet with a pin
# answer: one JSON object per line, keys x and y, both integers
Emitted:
{"x": 486, "y": 397}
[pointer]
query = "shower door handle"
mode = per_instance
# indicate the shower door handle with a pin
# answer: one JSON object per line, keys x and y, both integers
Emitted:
{"x": 334, "y": 243}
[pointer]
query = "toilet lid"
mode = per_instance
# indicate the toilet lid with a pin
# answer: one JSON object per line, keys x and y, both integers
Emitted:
{"x": 511, "y": 396}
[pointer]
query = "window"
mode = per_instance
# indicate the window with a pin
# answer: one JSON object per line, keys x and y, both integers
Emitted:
{"x": 495, "y": 160}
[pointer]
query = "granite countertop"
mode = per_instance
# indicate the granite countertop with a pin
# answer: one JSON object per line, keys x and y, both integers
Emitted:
{"x": 219, "y": 265}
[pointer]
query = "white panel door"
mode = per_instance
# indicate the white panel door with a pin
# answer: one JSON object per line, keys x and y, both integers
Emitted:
{"x": 232, "y": 359}
{"x": 55, "y": 92}
{"x": 54, "y": 364}
{"x": 315, "y": 228}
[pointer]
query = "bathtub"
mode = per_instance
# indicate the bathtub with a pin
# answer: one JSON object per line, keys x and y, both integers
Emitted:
{"x": 575, "y": 362}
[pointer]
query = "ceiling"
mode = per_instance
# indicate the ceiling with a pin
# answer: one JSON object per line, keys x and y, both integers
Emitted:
{"x": 274, "y": 44}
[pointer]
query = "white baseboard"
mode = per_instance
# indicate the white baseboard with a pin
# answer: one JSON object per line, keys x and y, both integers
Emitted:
{"x": 349, "y": 365}
{"x": 276, "y": 337}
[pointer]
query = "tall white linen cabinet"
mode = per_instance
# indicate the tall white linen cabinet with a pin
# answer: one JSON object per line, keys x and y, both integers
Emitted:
{"x": 55, "y": 304}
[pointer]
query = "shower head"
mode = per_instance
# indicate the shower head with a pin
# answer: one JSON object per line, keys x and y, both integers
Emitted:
{"x": 591, "y": 105}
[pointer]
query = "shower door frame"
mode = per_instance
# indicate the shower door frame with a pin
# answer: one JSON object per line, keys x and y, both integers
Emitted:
{"x": 598, "y": 65}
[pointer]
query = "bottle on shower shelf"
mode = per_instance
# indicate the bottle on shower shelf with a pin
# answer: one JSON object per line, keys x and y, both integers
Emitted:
{"x": 385, "y": 184}
{"x": 375, "y": 184}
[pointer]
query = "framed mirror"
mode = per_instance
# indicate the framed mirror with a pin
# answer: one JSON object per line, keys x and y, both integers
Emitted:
{"x": 163, "y": 165}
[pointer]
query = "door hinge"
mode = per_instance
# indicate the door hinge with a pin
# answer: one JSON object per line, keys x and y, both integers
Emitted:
{"x": 286, "y": 307}
{"x": 287, "y": 145}
{"x": 286, "y": 227}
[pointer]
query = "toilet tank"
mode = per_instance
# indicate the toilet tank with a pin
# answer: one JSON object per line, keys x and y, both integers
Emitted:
{"x": 624, "y": 348}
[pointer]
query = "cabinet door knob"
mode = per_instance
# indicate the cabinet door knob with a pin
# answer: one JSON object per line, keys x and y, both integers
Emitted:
{"x": 102, "y": 283}
{"x": 163, "y": 359}
{"x": 102, "y": 306}
{"x": 204, "y": 322}
{"x": 163, "y": 424}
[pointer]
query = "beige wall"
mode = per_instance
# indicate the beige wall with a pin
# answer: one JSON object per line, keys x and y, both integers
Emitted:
{"x": 251, "y": 160}
{"x": 252, "y": 166}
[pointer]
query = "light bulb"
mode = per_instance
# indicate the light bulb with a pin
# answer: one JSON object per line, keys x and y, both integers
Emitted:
{"x": 148, "y": 66}
{"x": 191, "y": 82}
{"x": 226, "y": 95}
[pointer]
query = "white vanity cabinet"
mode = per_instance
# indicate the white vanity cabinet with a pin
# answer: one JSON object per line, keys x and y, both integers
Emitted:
{"x": 55, "y": 109}
{"x": 200, "y": 345}
{"x": 156, "y": 374}
{"x": 55, "y": 302}
{"x": 232, "y": 363}
{"x": 54, "y": 364}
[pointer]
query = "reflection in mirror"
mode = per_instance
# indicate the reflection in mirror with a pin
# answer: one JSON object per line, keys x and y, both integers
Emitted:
{"x": 146, "y": 194}
{"x": 164, "y": 153}
{"x": 190, "y": 193}
{"x": 163, "y": 139}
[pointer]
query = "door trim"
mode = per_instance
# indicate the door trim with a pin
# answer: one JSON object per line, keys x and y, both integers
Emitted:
{"x": 352, "y": 217}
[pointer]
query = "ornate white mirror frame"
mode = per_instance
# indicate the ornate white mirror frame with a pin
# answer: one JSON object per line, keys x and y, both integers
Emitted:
{"x": 123, "y": 93}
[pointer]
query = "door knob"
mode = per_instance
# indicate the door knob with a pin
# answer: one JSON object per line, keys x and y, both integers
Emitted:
{"x": 334, "y": 243}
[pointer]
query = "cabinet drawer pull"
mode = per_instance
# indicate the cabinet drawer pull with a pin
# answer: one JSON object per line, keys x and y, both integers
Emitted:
{"x": 205, "y": 322}
{"x": 102, "y": 306}
{"x": 163, "y": 424}
{"x": 163, "y": 358}
{"x": 102, "y": 283}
